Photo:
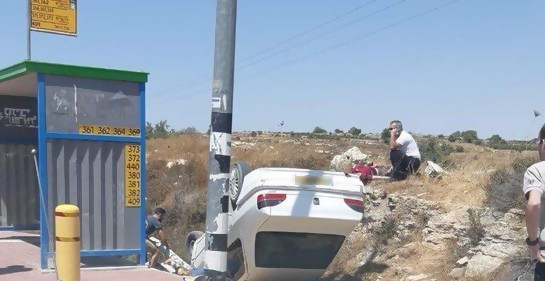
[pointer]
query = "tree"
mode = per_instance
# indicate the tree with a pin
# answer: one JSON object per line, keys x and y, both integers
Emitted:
{"x": 496, "y": 139}
{"x": 354, "y": 131}
{"x": 338, "y": 131}
{"x": 454, "y": 136}
{"x": 189, "y": 131}
{"x": 385, "y": 135}
{"x": 149, "y": 130}
{"x": 253, "y": 134}
{"x": 159, "y": 130}
{"x": 469, "y": 136}
{"x": 319, "y": 130}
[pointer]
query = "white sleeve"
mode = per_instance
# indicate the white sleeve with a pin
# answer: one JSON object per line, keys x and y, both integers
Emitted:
{"x": 402, "y": 139}
{"x": 533, "y": 179}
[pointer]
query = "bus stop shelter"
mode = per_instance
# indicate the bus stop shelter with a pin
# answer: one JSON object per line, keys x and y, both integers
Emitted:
{"x": 87, "y": 125}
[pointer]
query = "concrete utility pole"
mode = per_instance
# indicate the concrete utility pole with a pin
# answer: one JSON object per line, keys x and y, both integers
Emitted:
{"x": 219, "y": 160}
{"x": 29, "y": 21}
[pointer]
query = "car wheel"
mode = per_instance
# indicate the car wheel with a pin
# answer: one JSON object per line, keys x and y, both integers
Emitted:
{"x": 238, "y": 172}
{"x": 190, "y": 241}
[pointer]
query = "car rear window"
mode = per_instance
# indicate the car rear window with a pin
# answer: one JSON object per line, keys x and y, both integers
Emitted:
{"x": 296, "y": 250}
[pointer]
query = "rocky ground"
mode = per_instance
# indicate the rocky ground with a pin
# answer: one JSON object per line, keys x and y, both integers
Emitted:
{"x": 449, "y": 245}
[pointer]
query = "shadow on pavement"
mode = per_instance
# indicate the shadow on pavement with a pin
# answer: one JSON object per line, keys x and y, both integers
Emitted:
{"x": 34, "y": 240}
{"x": 14, "y": 269}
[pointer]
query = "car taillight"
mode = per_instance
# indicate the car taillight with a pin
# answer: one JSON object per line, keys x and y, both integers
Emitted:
{"x": 354, "y": 204}
{"x": 269, "y": 200}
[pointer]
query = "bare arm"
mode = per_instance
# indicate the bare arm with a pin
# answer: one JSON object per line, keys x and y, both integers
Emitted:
{"x": 533, "y": 214}
{"x": 541, "y": 150}
{"x": 161, "y": 235}
{"x": 393, "y": 138}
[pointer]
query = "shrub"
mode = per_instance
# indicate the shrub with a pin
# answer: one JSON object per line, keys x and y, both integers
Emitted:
{"x": 385, "y": 135}
{"x": 386, "y": 230}
{"x": 504, "y": 189}
{"x": 433, "y": 150}
{"x": 459, "y": 148}
{"x": 520, "y": 165}
{"x": 475, "y": 231}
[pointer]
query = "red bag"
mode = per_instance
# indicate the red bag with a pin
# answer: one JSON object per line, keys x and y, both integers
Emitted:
{"x": 366, "y": 172}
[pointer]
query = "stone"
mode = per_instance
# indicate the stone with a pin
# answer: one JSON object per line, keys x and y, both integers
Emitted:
{"x": 403, "y": 253}
{"x": 456, "y": 273}
{"x": 518, "y": 212}
{"x": 482, "y": 265}
{"x": 178, "y": 162}
{"x": 417, "y": 277}
{"x": 346, "y": 158}
{"x": 433, "y": 170}
{"x": 503, "y": 250}
{"x": 462, "y": 261}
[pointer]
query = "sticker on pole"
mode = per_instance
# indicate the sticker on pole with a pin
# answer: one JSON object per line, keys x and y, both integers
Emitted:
{"x": 132, "y": 175}
{"x": 54, "y": 16}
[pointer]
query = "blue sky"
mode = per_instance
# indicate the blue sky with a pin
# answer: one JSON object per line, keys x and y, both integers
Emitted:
{"x": 471, "y": 65}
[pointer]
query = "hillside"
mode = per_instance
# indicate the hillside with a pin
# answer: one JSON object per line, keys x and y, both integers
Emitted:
{"x": 421, "y": 237}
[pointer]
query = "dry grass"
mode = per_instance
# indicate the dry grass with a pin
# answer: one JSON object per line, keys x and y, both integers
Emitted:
{"x": 178, "y": 189}
{"x": 466, "y": 180}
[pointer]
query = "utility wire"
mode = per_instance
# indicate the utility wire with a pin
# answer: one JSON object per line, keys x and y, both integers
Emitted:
{"x": 366, "y": 35}
{"x": 324, "y": 34}
{"x": 347, "y": 42}
{"x": 309, "y": 30}
{"x": 202, "y": 79}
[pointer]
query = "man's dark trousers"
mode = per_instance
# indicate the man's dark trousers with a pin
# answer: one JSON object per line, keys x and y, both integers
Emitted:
{"x": 402, "y": 164}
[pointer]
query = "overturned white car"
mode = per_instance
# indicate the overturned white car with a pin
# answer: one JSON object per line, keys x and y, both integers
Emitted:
{"x": 285, "y": 224}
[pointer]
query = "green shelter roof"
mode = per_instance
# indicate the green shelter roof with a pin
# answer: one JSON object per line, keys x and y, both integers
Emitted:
{"x": 28, "y": 66}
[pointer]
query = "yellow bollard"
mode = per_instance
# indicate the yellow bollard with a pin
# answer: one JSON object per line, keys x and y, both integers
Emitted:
{"x": 67, "y": 242}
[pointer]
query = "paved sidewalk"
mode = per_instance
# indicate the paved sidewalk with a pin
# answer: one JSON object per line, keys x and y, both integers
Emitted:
{"x": 20, "y": 260}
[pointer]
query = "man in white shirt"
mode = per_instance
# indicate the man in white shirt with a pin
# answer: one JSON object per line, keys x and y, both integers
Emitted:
{"x": 534, "y": 189}
{"x": 404, "y": 153}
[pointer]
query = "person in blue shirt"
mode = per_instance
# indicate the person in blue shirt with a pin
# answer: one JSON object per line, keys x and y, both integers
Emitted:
{"x": 154, "y": 225}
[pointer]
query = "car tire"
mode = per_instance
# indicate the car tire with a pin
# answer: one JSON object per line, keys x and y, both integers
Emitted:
{"x": 190, "y": 241}
{"x": 238, "y": 172}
